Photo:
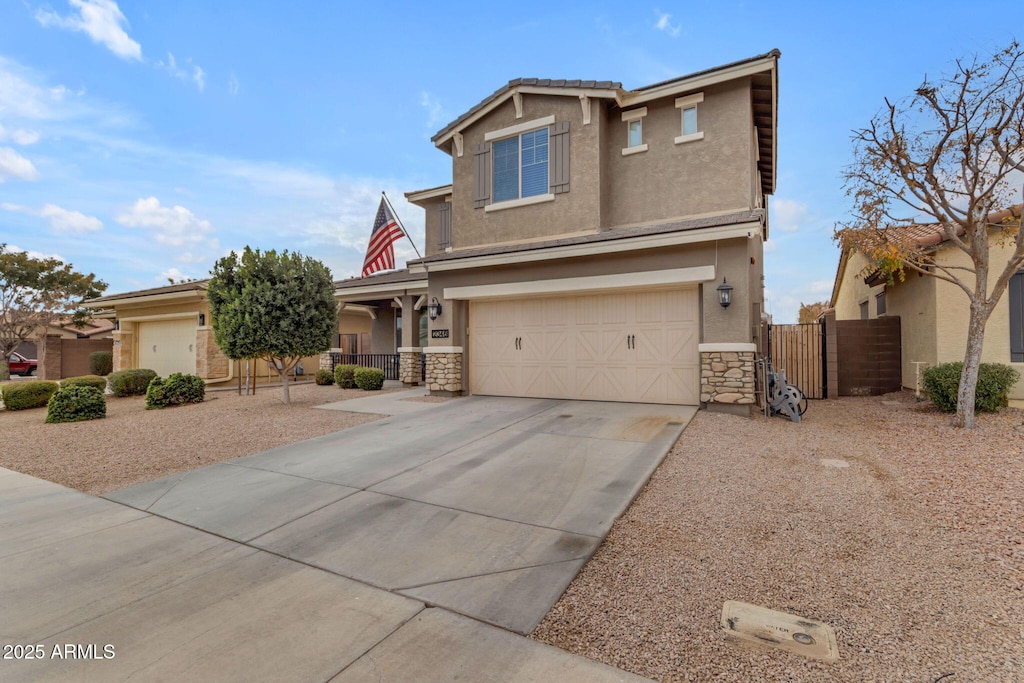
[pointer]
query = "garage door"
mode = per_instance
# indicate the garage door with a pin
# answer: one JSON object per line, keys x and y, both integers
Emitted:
{"x": 633, "y": 346}
{"x": 167, "y": 346}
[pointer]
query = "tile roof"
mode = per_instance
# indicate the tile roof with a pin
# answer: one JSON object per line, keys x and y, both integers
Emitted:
{"x": 196, "y": 285}
{"x": 516, "y": 82}
{"x": 925, "y": 235}
{"x": 606, "y": 236}
{"x": 402, "y": 275}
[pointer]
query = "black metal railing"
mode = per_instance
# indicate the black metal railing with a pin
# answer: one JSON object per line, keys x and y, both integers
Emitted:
{"x": 388, "y": 362}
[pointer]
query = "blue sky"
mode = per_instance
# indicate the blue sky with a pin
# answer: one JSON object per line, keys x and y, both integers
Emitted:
{"x": 141, "y": 140}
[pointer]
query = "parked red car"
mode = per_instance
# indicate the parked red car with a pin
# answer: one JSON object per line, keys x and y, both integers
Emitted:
{"x": 19, "y": 365}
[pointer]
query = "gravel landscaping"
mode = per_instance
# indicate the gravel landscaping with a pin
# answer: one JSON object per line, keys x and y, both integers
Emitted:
{"x": 133, "y": 445}
{"x": 914, "y": 554}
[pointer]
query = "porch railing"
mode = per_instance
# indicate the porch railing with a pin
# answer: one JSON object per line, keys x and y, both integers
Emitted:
{"x": 388, "y": 362}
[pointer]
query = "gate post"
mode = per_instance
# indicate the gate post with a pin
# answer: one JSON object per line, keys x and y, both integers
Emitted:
{"x": 831, "y": 355}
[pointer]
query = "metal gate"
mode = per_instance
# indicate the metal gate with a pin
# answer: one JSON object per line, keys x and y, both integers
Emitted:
{"x": 800, "y": 351}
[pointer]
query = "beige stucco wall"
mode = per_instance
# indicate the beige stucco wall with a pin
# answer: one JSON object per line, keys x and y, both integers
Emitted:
{"x": 933, "y": 314}
{"x": 719, "y": 325}
{"x": 350, "y": 322}
{"x": 577, "y": 210}
{"x": 432, "y": 218}
{"x": 954, "y": 311}
{"x": 668, "y": 180}
{"x": 852, "y": 290}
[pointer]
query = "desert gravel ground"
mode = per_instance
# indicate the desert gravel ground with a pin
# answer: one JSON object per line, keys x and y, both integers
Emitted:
{"x": 133, "y": 445}
{"x": 914, "y": 554}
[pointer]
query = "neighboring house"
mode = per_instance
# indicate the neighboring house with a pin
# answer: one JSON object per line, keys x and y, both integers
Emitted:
{"x": 64, "y": 328}
{"x": 579, "y": 250}
{"x": 168, "y": 329}
{"x": 933, "y": 313}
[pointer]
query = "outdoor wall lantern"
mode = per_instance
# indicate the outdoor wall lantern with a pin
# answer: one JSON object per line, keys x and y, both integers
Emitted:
{"x": 724, "y": 293}
{"x": 434, "y": 308}
{"x": 202, "y": 319}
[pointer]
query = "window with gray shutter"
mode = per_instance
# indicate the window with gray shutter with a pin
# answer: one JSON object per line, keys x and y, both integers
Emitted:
{"x": 1017, "y": 318}
{"x": 481, "y": 175}
{"x": 444, "y": 232}
{"x": 559, "y": 152}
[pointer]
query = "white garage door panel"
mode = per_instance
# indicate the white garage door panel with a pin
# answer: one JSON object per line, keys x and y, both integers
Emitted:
{"x": 630, "y": 346}
{"x": 167, "y": 346}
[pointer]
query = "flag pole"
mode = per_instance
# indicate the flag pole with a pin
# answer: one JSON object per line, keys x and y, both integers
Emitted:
{"x": 400, "y": 223}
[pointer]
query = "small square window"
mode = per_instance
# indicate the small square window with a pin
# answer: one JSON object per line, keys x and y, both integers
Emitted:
{"x": 635, "y": 133}
{"x": 690, "y": 120}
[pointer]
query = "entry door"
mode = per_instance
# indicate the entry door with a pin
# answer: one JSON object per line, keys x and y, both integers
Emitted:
{"x": 631, "y": 346}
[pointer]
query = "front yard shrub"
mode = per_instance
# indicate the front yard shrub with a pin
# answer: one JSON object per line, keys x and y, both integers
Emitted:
{"x": 130, "y": 382}
{"x": 178, "y": 389}
{"x": 94, "y": 381}
{"x": 344, "y": 376}
{"x": 25, "y": 395}
{"x": 995, "y": 380}
{"x": 324, "y": 378}
{"x": 101, "y": 363}
{"x": 76, "y": 403}
{"x": 369, "y": 379}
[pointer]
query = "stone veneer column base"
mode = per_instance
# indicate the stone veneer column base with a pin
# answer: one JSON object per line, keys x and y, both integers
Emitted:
{"x": 444, "y": 370}
{"x": 325, "y": 359}
{"x": 124, "y": 349}
{"x": 410, "y": 368}
{"x": 727, "y": 377}
{"x": 211, "y": 363}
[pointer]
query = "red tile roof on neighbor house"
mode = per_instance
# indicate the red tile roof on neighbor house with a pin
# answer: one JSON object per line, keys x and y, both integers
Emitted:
{"x": 924, "y": 235}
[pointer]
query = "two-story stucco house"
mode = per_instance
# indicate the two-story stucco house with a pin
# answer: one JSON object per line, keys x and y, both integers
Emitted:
{"x": 580, "y": 248}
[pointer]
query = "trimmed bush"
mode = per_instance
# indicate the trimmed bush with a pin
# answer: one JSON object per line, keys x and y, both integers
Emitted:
{"x": 130, "y": 382}
{"x": 369, "y": 379}
{"x": 76, "y": 403}
{"x": 178, "y": 389}
{"x": 101, "y": 363}
{"x": 344, "y": 376}
{"x": 25, "y": 395}
{"x": 85, "y": 381}
{"x": 324, "y": 378}
{"x": 995, "y": 380}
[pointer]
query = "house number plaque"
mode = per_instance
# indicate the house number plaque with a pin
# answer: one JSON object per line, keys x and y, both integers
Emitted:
{"x": 439, "y": 334}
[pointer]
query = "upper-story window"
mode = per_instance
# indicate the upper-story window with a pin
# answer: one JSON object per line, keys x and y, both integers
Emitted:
{"x": 1016, "y": 302}
{"x": 521, "y": 166}
{"x": 689, "y": 107}
{"x": 634, "y": 120}
{"x": 527, "y": 163}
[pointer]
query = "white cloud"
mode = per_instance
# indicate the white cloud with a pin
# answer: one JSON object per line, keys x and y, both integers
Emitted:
{"x": 102, "y": 20}
{"x": 12, "y": 249}
{"x": 172, "y": 226}
{"x": 233, "y": 85}
{"x": 435, "y": 112}
{"x": 771, "y": 246}
{"x": 788, "y": 214}
{"x": 19, "y": 136}
{"x": 13, "y": 165}
{"x": 197, "y": 75}
{"x": 174, "y": 274}
{"x": 665, "y": 24}
{"x": 62, "y": 220}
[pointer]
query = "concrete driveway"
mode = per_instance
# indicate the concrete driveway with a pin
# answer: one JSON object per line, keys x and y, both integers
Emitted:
{"x": 373, "y": 552}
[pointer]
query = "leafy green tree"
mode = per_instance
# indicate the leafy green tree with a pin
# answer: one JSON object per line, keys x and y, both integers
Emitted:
{"x": 35, "y": 292}
{"x": 279, "y": 308}
{"x": 948, "y": 152}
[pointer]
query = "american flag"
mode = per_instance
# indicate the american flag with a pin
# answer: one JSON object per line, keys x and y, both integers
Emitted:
{"x": 380, "y": 255}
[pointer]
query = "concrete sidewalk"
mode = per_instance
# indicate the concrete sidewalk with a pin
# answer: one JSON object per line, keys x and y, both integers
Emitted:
{"x": 334, "y": 555}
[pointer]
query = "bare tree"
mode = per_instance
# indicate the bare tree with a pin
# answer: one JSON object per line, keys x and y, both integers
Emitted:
{"x": 949, "y": 152}
{"x": 809, "y": 313}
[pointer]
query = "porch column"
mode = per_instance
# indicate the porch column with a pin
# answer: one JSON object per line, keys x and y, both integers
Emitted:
{"x": 409, "y": 351}
{"x": 444, "y": 370}
{"x": 727, "y": 377}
